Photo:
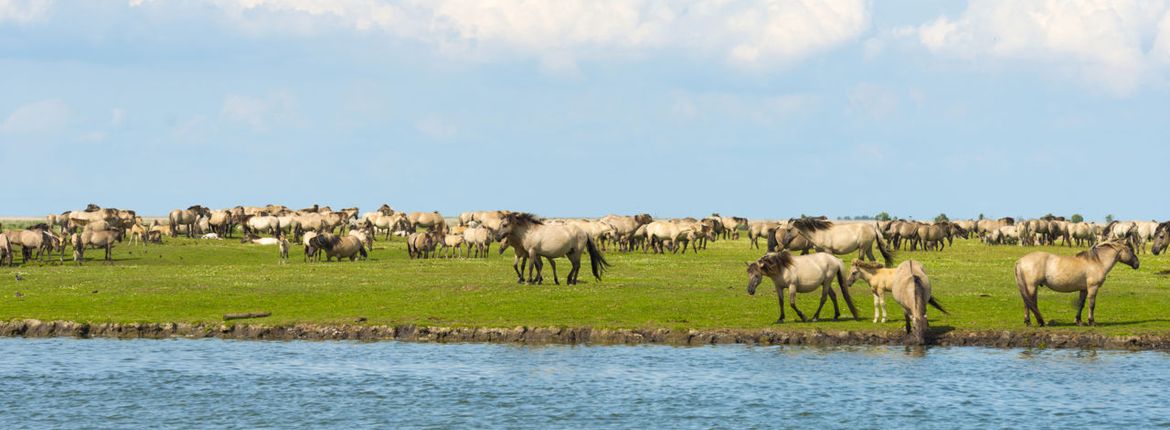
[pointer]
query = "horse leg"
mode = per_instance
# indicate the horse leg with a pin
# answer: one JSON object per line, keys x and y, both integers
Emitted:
{"x": 1081, "y": 304}
{"x": 882, "y": 299}
{"x": 1093, "y": 304}
{"x": 906, "y": 315}
{"x": 553, "y": 263}
{"x": 877, "y": 311}
{"x": 824, "y": 295}
{"x": 516, "y": 265}
{"x": 780, "y": 297}
{"x": 532, "y": 265}
{"x": 833, "y": 297}
{"x": 1030, "y": 294}
{"x": 575, "y": 271}
{"x": 792, "y": 302}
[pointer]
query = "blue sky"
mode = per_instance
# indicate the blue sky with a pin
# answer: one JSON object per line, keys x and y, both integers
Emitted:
{"x": 581, "y": 108}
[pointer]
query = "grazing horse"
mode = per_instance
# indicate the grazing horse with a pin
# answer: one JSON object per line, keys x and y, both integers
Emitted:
{"x": 837, "y": 239}
{"x": 911, "y": 289}
{"x": 798, "y": 243}
{"x": 801, "y": 274}
{"x": 527, "y": 233}
{"x": 1161, "y": 238}
{"x": 1083, "y": 273}
{"x": 340, "y": 246}
{"x": 188, "y": 217}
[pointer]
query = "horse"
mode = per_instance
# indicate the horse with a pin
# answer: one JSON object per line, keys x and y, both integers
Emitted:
{"x": 452, "y": 244}
{"x": 1082, "y": 234}
{"x": 5, "y": 250}
{"x": 1121, "y": 231}
{"x": 526, "y": 232}
{"x": 340, "y": 246}
{"x": 838, "y": 239}
{"x": 430, "y": 220}
{"x": 759, "y": 229}
{"x": 625, "y": 226}
{"x": 261, "y": 223}
{"x": 187, "y": 217}
{"x": 103, "y": 239}
{"x": 732, "y": 225}
{"x": 801, "y": 274}
{"x": 478, "y": 238}
{"x": 220, "y": 222}
{"x": 422, "y": 245}
{"x": 911, "y": 289}
{"x": 1161, "y": 238}
{"x": 1083, "y": 273}
{"x": 1145, "y": 233}
{"x": 880, "y": 280}
{"x": 798, "y": 243}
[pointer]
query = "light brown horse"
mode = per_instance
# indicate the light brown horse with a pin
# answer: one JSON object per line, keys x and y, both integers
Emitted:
{"x": 838, "y": 239}
{"x": 1161, "y": 238}
{"x": 103, "y": 239}
{"x": 340, "y": 246}
{"x": 625, "y": 226}
{"x": 1083, "y": 273}
{"x": 5, "y": 250}
{"x": 911, "y": 289}
{"x": 759, "y": 229}
{"x": 429, "y": 220}
{"x": 528, "y": 233}
{"x": 801, "y": 274}
{"x": 187, "y": 217}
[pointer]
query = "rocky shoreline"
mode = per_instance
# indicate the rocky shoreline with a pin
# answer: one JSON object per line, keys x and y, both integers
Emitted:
{"x": 573, "y": 336}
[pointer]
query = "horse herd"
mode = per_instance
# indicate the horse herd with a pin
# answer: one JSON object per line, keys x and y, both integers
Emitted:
{"x": 349, "y": 234}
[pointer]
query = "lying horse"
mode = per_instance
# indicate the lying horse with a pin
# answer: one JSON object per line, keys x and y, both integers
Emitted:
{"x": 1083, "y": 273}
{"x": 801, "y": 274}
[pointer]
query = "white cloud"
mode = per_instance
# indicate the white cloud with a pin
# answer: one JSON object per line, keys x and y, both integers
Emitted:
{"x": 258, "y": 112}
{"x": 1100, "y": 42}
{"x": 750, "y": 34}
{"x": 436, "y": 128}
{"x": 36, "y": 117}
{"x": 24, "y": 11}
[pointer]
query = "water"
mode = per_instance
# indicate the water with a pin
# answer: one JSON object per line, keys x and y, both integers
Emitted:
{"x": 47, "y": 383}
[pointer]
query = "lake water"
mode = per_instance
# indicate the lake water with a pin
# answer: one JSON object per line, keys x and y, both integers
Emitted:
{"x": 98, "y": 383}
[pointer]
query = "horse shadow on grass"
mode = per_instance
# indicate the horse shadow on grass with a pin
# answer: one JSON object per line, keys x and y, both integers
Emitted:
{"x": 1055, "y": 323}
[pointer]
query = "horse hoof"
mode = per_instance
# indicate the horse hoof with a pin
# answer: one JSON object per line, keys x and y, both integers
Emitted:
{"x": 779, "y": 321}
{"x": 815, "y": 319}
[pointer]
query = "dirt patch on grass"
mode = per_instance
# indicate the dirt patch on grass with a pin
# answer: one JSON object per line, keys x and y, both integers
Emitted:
{"x": 580, "y": 335}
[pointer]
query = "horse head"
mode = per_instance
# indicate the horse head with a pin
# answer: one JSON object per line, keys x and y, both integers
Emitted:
{"x": 1161, "y": 237}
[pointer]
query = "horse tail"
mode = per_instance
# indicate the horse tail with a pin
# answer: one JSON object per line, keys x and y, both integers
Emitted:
{"x": 362, "y": 251}
{"x": 936, "y": 305}
{"x": 918, "y": 313}
{"x": 596, "y": 260}
{"x": 887, "y": 254}
{"x": 772, "y": 242}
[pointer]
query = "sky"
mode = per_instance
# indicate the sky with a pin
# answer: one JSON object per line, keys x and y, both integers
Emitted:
{"x": 763, "y": 109}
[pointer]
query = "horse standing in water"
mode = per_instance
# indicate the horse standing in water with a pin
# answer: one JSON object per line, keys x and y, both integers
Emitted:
{"x": 1083, "y": 273}
{"x": 801, "y": 274}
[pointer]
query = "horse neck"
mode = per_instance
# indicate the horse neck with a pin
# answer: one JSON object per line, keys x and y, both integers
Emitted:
{"x": 1109, "y": 261}
{"x": 867, "y": 273}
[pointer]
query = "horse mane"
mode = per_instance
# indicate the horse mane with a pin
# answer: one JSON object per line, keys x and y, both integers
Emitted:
{"x": 739, "y": 219}
{"x": 1008, "y": 220}
{"x": 524, "y": 218}
{"x": 1162, "y": 226}
{"x": 1094, "y": 253}
{"x": 92, "y": 208}
{"x": 810, "y": 224}
{"x": 1109, "y": 227}
{"x": 868, "y": 264}
{"x": 40, "y": 226}
{"x": 644, "y": 218}
{"x": 775, "y": 260}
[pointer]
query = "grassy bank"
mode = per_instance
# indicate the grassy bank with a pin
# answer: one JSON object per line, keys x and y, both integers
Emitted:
{"x": 194, "y": 281}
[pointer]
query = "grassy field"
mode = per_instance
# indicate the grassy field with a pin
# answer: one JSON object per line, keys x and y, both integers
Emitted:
{"x": 199, "y": 281}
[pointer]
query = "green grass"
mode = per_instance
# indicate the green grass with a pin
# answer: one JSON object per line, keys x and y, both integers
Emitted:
{"x": 199, "y": 281}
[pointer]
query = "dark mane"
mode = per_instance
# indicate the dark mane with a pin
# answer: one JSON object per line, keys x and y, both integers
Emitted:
{"x": 810, "y": 224}
{"x": 1008, "y": 220}
{"x": 1162, "y": 226}
{"x": 1109, "y": 228}
{"x": 524, "y": 218}
{"x": 92, "y": 208}
{"x": 774, "y": 261}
